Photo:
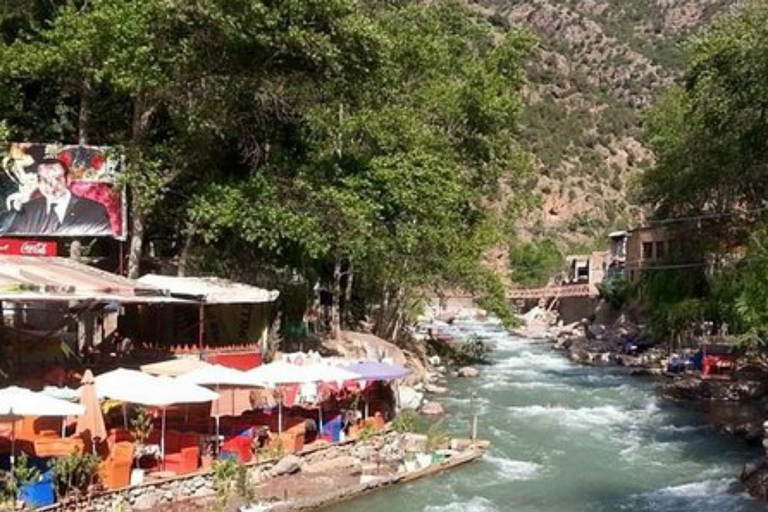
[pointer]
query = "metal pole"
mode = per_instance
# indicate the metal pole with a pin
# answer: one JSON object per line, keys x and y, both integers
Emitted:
{"x": 201, "y": 328}
{"x": 162, "y": 439}
{"x": 13, "y": 446}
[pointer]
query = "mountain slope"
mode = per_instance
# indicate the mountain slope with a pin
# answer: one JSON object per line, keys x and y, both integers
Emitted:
{"x": 599, "y": 65}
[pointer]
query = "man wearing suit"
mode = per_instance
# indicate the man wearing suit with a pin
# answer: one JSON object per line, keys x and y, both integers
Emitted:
{"x": 57, "y": 211}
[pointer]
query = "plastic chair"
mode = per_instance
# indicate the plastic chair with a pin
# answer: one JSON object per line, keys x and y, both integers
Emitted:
{"x": 182, "y": 452}
{"x": 115, "y": 471}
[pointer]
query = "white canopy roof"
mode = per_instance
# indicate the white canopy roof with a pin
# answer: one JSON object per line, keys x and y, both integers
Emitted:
{"x": 215, "y": 375}
{"x": 210, "y": 290}
{"x": 15, "y": 401}
{"x": 174, "y": 367}
{"x": 140, "y": 388}
{"x": 280, "y": 372}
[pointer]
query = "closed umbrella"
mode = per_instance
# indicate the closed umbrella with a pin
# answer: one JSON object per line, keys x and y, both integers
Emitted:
{"x": 15, "y": 403}
{"x": 92, "y": 422}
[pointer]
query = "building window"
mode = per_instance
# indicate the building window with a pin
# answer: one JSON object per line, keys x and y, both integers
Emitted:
{"x": 647, "y": 250}
{"x": 659, "y": 250}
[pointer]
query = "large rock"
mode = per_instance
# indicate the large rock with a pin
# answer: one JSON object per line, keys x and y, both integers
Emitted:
{"x": 331, "y": 465}
{"x": 432, "y": 409}
{"x": 287, "y": 465}
{"x": 435, "y": 389}
{"x": 409, "y": 398}
{"x": 147, "y": 501}
{"x": 468, "y": 372}
{"x": 360, "y": 345}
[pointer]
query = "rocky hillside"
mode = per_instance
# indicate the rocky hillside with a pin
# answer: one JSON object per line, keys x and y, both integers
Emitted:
{"x": 600, "y": 63}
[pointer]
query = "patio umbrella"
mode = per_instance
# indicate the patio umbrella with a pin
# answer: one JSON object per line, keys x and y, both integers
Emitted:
{"x": 92, "y": 422}
{"x": 178, "y": 392}
{"x": 15, "y": 403}
{"x": 277, "y": 374}
{"x": 327, "y": 374}
{"x": 174, "y": 367}
{"x": 217, "y": 375}
{"x": 139, "y": 388}
{"x": 376, "y": 371}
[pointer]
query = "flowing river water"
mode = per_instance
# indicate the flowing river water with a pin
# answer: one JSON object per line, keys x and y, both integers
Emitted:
{"x": 568, "y": 438}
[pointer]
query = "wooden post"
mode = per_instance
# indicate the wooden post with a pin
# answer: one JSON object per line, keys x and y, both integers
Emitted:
{"x": 201, "y": 328}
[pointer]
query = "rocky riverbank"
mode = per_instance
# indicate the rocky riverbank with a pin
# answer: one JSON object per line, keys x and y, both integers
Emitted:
{"x": 737, "y": 405}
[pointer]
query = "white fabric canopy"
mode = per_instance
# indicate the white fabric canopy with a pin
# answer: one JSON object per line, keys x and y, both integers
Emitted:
{"x": 279, "y": 373}
{"x": 140, "y": 388}
{"x": 15, "y": 401}
{"x": 130, "y": 386}
{"x": 327, "y": 373}
{"x": 174, "y": 367}
{"x": 216, "y": 375}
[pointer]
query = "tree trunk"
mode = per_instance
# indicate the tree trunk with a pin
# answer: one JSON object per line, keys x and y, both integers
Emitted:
{"x": 348, "y": 283}
{"x": 137, "y": 242}
{"x": 84, "y": 114}
{"x": 181, "y": 271}
{"x": 140, "y": 119}
{"x": 381, "y": 321}
{"x": 335, "y": 300}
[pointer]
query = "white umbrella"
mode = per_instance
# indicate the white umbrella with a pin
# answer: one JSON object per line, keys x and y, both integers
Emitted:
{"x": 325, "y": 373}
{"x": 217, "y": 375}
{"x": 139, "y": 388}
{"x": 18, "y": 402}
{"x": 276, "y": 374}
{"x": 131, "y": 386}
{"x": 280, "y": 373}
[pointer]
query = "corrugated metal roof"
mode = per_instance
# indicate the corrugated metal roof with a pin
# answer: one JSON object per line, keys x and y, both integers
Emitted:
{"x": 36, "y": 279}
{"x": 210, "y": 290}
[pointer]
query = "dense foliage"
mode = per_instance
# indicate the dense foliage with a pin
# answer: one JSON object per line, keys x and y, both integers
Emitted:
{"x": 710, "y": 136}
{"x": 346, "y": 145}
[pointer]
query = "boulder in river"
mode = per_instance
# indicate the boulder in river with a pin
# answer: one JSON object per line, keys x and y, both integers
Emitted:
{"x": 468, "y": 372}
{"x": 432, "y": 409}
{"x": 288, "y": 465}
{"x": 409, "y": 398}
{"x": 435, "y": 389}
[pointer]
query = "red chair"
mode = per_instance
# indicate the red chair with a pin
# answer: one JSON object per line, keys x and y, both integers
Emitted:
{"x": 240, "y": 446}
{"x": 182, "y": 452}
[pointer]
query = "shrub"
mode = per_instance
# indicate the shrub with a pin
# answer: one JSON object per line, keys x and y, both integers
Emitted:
{"x": 437, "y": 436}
{"x": 75, "y": 473}
{"x": 405, "y": 421}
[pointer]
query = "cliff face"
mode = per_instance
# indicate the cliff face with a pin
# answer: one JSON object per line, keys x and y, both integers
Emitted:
{"x": 600, "y": 63}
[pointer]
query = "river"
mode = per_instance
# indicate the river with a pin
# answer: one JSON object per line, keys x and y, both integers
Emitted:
{"x": 568, "y": 438}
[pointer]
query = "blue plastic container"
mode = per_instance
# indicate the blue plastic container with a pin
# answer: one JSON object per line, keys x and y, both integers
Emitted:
{"x": 39, "y": 494}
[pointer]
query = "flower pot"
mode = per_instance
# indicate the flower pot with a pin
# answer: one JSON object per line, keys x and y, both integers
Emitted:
{"x": 137, "y": 476}
{"x": 423, "y": 460}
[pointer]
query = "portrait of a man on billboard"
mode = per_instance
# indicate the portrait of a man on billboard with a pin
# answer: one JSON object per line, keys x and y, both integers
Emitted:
{"x": 50, "y": 190}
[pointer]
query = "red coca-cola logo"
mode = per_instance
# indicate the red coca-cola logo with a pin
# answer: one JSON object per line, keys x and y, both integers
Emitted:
{"x": 34, "y": 249}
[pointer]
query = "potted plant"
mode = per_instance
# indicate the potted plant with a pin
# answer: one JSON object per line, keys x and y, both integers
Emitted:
{"x": 141, "y": 429}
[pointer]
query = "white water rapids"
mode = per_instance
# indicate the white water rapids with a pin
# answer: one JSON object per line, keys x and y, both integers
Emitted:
{"x": 567, "y": 438}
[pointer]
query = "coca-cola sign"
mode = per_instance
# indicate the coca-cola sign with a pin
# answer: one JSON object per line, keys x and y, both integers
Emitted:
{"x": 21, "y": 247}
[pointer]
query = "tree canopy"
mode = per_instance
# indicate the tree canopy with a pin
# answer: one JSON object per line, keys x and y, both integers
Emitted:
{"x": 357, "y": 145}
{"x": 710, "y": 133}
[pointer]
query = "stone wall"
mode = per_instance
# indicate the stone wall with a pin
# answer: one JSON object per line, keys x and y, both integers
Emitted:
{"x": 197, "y": 485}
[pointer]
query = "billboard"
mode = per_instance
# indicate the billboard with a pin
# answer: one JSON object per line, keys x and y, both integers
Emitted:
{"x": 51, "y": 190}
